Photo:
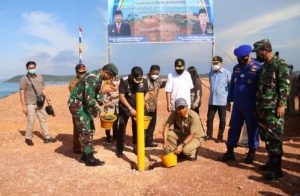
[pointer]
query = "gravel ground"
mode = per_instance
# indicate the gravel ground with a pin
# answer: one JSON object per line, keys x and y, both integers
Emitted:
{"x": 53, "y": 169}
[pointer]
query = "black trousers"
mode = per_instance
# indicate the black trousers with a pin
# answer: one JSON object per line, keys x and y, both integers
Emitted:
{"x": 151, "y": 127}
{"x": 121, "y": 133}
{"x": 212, "y": 109}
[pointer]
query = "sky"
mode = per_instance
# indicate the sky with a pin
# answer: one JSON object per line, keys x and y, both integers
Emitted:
{"x": 47, "y": 32}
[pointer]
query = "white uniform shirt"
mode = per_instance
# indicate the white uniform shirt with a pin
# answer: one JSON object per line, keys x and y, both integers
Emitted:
{"x": 180, "y": 87}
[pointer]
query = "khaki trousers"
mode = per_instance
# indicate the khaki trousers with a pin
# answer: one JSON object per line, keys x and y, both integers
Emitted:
{"x": 177, "y": 137}
{"x": 41, "y": 113}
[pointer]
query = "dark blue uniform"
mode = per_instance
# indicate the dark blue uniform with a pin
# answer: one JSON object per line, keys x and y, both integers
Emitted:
{"x": 242, "y": 92}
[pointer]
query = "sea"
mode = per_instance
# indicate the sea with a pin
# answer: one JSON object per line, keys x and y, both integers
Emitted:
{"x": 8, "y": 88}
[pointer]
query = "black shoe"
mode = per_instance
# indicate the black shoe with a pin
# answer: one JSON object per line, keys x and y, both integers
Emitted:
{"x": 275, "y": 169}
{"x": 119, "y": 154}
{"x": 107, "y": 141}
{"x": 195, "y": 157}
{"x": 49, "y": 140}
{"x": 181, "y": 157}
{"x": 151, "y": 145}
{"x": 82, "y": 158}
{"x": 273, "y": 175}
{"x": 92, "y": 161}
{"x": 29, "y": 142}
{"x": 250, "y": 157}
{"x": 228, "y": 156}
{"x": 208, "y": 137}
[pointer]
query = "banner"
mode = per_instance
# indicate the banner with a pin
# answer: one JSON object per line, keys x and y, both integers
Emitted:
{"x": 160, "y": 21}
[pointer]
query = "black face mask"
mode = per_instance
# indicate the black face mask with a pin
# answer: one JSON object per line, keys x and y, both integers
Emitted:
{"x": 179, "y": 69}
{"x": 243, "y": 60}
{"x": 261, "y": 58}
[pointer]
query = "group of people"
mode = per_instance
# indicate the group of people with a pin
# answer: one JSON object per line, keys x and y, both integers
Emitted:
{"x": 257, "y": 87}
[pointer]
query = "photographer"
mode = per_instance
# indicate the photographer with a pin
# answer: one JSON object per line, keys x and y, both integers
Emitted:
{"x": 32, "y": 87}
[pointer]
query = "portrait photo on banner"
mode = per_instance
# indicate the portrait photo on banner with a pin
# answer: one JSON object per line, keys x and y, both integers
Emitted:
{"x": 160, "y": 21}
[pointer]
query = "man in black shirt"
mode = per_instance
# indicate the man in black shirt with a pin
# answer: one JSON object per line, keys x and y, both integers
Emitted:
{"x": 128, "y": 88}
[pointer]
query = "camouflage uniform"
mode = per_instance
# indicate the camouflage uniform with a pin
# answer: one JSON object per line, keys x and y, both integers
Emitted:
{"x": 272, "y": 94}
{"x": 82, "y": 104}
{"x": 273, "y": 90}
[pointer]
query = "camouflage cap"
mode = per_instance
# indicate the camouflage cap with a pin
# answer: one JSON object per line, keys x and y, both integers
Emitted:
{"x": 111, "y": 68}
{"x": 264, "y": 44}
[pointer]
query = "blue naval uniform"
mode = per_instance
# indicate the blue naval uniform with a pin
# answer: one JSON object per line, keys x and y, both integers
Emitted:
{"x": 242, "y": 92}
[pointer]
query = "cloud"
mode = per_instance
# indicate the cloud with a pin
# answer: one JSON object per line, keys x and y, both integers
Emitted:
{"x": 51, "y": 45}
{"x": 253, "y": 29}
{"x": 260, "y": 23}
{"x": 292, "y": 43}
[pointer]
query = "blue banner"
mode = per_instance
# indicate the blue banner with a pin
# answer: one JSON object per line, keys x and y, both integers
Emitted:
{"x": 159, "y": 21}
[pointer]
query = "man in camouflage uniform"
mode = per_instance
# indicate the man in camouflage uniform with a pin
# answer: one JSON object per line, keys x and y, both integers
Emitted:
{"x": 82, "y": 104}
{"x": 271, "y": 100}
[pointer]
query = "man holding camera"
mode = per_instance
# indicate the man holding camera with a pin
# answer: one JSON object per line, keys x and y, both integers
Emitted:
{"x": 32, "y": 86}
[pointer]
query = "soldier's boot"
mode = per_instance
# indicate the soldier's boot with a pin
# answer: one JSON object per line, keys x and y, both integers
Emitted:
{"x": 229, "y": 155}
{"x": 92, "y": 161}
{"x": 82, "y": 158}
{"x": 250, "y": 156}
{"x": 275, "y": 170}
{"x": 267, "y": 166}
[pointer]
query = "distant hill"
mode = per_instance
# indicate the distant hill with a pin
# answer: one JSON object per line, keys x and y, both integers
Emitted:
{"x": 48, "y": 78}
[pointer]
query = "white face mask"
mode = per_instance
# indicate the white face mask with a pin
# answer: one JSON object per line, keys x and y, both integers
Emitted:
{"x": 154, "y": 77}
{"x": 31, "y": 71}
{"x": 215, "y": 67}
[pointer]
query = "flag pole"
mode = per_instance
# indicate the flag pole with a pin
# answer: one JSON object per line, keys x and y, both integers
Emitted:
{"x": 80, "y": 45}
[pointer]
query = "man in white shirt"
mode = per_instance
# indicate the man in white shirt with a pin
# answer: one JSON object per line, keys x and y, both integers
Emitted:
{"x": 179, "y": 85}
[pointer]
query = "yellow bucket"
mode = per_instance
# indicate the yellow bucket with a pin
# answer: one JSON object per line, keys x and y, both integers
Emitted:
{"x": 147, "y": 120}
{"x": 169, "y": 160}
{"x": 107, "y": 120}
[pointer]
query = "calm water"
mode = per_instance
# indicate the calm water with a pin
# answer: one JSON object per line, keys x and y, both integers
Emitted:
{"x": 7, "y": 88}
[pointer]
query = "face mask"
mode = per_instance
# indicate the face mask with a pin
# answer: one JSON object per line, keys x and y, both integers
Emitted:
{"x": 243, "y": 60}
{"x": 31, "y": 71}
{"x": 215, "y": 67}
{"x": 179, "y": 72}
{"x": 179, "y": 69}
{"x": 154, "y": 77}
{"x": 261, "y": 57}
{"x": 137, "y": 80}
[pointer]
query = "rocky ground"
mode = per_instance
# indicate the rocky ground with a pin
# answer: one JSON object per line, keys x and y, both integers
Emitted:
{"x": 53, "y": 169}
